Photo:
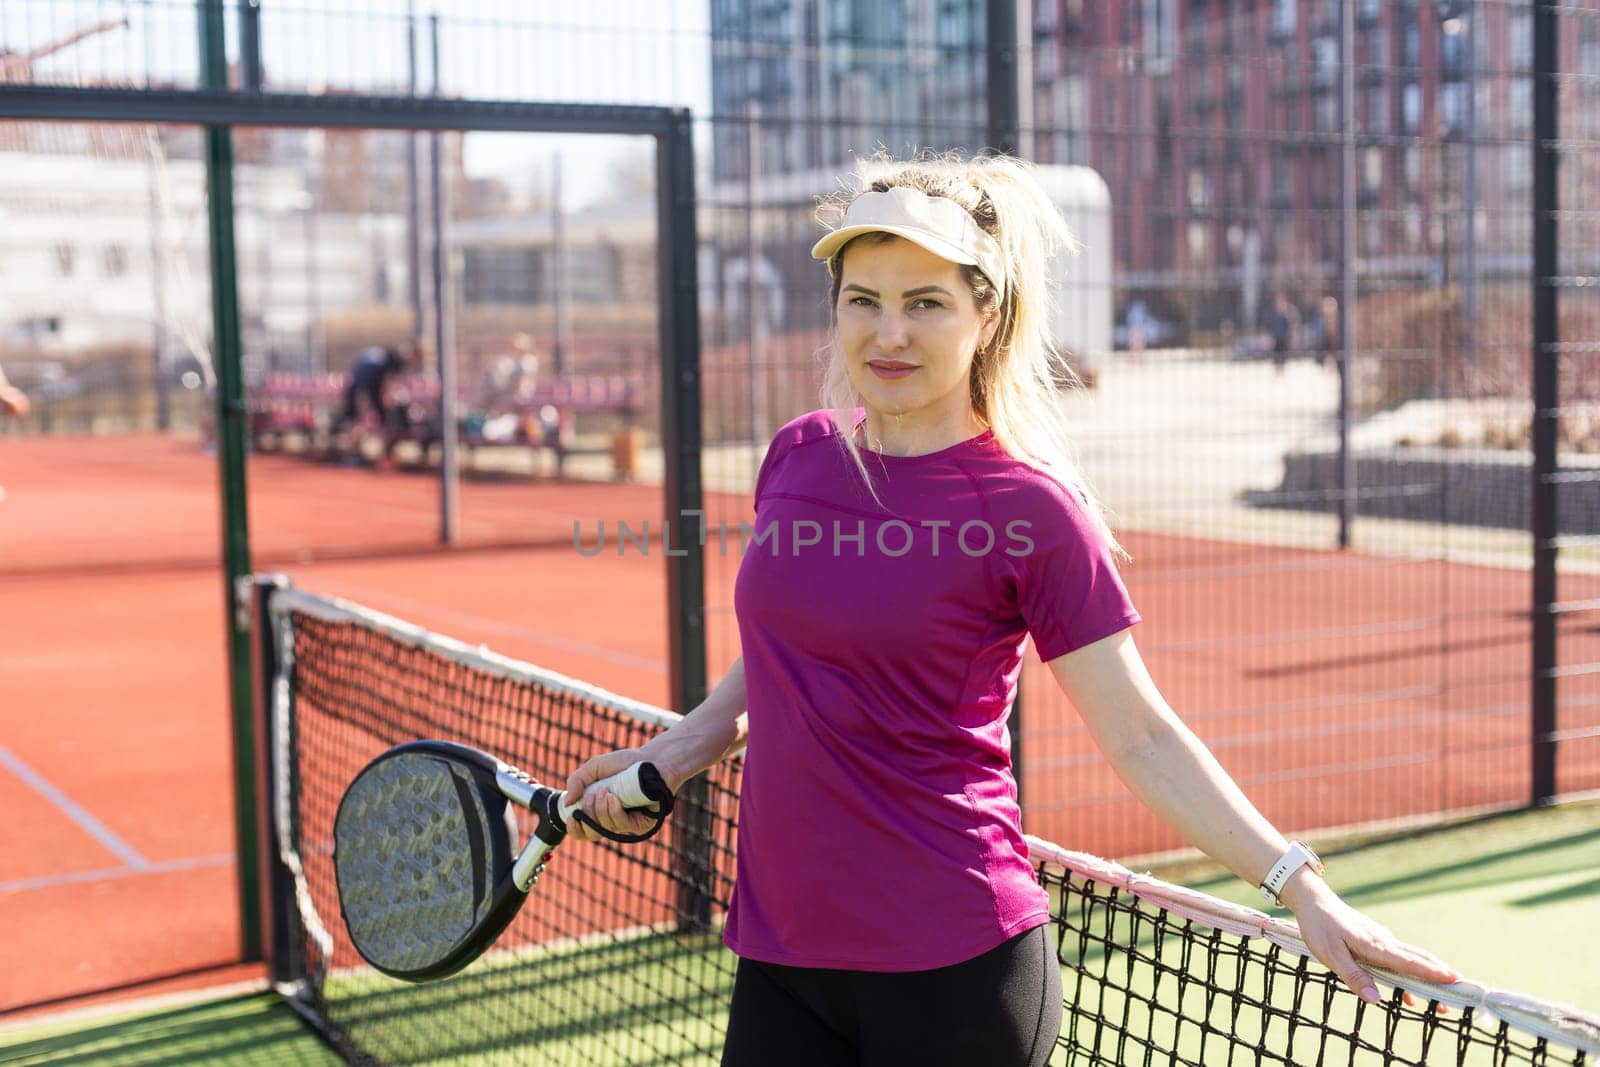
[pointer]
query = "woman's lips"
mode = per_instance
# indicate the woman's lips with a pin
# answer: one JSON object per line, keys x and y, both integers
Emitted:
{"x": 890, "y": 369}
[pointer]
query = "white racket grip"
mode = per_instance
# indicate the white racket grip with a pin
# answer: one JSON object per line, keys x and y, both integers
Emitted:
{"x": 626, "y": 786}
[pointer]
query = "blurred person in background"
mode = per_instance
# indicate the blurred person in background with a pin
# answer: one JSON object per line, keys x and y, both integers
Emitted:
{"x": 13, "y": 401}
{"x": 1330, "y": 329}
{"x": 1283, "y": 323}
{"x": 13, "y": 404}
{"x": 366, "y": 391}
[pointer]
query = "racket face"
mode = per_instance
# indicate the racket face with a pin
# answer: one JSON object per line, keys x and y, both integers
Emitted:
{"x": 422, "y": 857}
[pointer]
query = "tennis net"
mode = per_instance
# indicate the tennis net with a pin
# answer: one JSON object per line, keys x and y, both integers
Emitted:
{"x": 618, "y": 959}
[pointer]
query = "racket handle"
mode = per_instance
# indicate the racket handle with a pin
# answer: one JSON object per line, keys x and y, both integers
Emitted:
{"x": 638, "y": 787}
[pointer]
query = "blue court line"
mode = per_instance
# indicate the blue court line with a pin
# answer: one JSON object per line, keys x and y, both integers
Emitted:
{"x": 90, "y": 825}
{"x": 50, "y": 881}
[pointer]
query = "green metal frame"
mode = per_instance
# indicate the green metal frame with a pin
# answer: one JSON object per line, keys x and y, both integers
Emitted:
{"x": 231, "y": 437}
{"x": 218, "y": 109}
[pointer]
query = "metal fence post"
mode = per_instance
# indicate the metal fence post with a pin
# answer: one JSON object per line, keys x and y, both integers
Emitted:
{"x": 444, "y": 327}
{"x": 1546, "y": 364}
{"x": 1348, "y": 254}
{"x": 250, "y": 46}
{"x": 230, "y": 418}
{"x": 1008, "y": 87}
{"x": 678, "y": 285}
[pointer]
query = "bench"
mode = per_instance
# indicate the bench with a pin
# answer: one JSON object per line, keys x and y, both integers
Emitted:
{"x": 306, "y": 406}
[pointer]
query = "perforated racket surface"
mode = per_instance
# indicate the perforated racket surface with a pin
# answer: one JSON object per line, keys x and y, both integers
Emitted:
{"x": 425, "y": 851}
{"x": 423, "y": 854}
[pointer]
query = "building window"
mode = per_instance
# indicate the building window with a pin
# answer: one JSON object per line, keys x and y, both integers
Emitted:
{"x": 956, "y": 27}
{"x": 1518, "y": 163}
{"x": 1327, "y": 113}
{"x": 1453, "y": 44}
{"x": 64, "y": 258}
{"x": 1159, "y": 30}
{"x": 1199, "y": 243}
{"x": 1283, "y": 239}
{"x": 116, "y": 261}
{"x": 839, "y": 22}
{"x": 1280, "y": 178}
{"x": 1519, "y": 100}
{"x": 1519, "y": 31}
{"x": 1453, "y": 107}
{"x": 1044, "y": 63}
{"x": 1325, "y": 61}
{"x": 1413, "y": 168}
{"x": 1371, "y": 234}
{"x": 1377, "y": 110}
{"x": 1372, "y": 169}
{"x": 1411, "y": 108}
{"x": 503, "y": 275}
{"x": 1377, "y": 47}
{"x": 1283, "y": 14}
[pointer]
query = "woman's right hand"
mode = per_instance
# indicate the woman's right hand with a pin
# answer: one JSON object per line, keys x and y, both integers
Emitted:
{"x": 600, "y": 803}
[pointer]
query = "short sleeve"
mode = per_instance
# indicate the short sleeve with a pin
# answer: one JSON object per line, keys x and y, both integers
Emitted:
{"x": 808, "y": 426}
{"x": 1069, "y": 590}
{"x": 774, "y": 455}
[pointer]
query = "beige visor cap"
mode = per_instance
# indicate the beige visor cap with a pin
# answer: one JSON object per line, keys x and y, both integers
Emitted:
{"x": 937, "y": 223}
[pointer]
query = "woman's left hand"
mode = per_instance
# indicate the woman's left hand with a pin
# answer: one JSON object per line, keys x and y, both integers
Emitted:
{"x": 1344, "y": 939}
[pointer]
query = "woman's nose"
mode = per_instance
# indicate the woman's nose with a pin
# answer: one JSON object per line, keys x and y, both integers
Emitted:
{"x": 892, "y": 332}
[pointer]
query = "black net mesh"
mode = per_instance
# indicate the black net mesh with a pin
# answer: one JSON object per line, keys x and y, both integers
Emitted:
{"x": 616, "y": 957}
{"x": 1160, "y": 975}
{"x": 611, "y": 960}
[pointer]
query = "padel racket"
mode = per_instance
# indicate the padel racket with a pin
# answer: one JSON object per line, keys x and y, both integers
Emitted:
{"x": 424, "y": 851}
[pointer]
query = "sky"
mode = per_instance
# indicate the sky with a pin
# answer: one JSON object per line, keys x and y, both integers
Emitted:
{"x": 595, "y": 51}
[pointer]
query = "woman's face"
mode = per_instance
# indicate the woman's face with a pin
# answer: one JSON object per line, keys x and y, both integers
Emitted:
{"x": 908, "y": 328}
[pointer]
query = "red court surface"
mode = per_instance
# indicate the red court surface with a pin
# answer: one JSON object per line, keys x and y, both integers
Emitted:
{"x": 149, "y": 501}
{"x": 1307, "y": 672}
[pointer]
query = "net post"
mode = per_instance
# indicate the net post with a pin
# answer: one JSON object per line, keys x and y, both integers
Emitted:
{"x": 678, "y": 289}
{"x": 282, "y": 937}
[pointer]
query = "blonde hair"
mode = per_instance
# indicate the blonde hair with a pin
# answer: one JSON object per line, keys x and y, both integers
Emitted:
{"x": 1016, "y": 376}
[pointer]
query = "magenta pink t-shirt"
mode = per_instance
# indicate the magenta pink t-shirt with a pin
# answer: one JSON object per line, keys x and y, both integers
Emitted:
{"x": 878, "y": 822}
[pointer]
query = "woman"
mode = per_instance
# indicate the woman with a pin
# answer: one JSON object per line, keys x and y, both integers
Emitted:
{"x": 885, "y": 910}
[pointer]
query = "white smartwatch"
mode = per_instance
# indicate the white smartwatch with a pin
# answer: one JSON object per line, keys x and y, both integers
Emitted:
{"x": 1299, "y": 855}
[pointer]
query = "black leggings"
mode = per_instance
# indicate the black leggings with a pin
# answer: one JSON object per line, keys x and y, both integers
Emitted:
{"x": 1000, "y": 1009}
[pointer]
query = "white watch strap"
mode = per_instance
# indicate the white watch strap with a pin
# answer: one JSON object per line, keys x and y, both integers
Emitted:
{"x": 1297, "y": 856}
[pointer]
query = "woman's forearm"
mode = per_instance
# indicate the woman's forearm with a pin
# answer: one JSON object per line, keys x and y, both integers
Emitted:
{"x": 1174, "y": 773}
{"x": 710, "y": 733}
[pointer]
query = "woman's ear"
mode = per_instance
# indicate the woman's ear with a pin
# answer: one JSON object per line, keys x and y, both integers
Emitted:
{"x": 991, "y": 326}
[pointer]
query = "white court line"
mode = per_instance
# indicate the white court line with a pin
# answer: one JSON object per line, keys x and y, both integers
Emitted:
{"x": 50, "y": 881}
{"x": 91, "y": 825}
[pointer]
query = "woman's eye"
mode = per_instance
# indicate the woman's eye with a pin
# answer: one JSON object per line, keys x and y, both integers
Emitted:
{"x": 860, "y": 302}
{"x": 927, "y": 302}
